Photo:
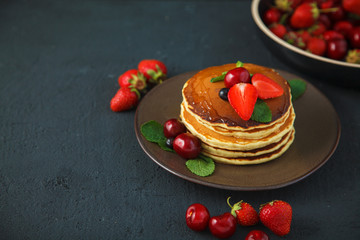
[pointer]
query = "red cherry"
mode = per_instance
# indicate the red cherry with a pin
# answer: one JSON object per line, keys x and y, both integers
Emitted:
{"x": 173, "y": 127}
{"x": 323, "y": 18}
{"x": 336, "y": 48}
{"x": 236, "y": 75}
{"x": 223, "y": 226}
{"x": 272, "y": 15}
{"x": 257, "y": 235}
{"x": 343, "y": 27}
{"x": 354, "y": 37}
{"x": 197, "y": 217}
{"x": 187, "y": 145}
{"x": 338, "y": 14}
{"x": 326, "y": 4}
{"x": 331, "y": 34}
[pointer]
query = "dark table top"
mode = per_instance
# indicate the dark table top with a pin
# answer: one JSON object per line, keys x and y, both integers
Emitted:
{"x": 70, "y": 168}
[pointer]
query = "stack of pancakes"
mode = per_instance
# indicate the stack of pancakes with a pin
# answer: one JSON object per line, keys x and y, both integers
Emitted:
{"x": 226, "y": 137}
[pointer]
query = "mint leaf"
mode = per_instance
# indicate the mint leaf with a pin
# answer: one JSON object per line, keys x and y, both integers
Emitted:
{"x": 219, "y": 78}
{"x": 163, "y": 146}
{"x": 202, "y": 166}
{"x": 222, "y": 76}
{"x": 153, "y": 131}
{"x": 297, "y": 87}
{"x": 262, "y": 112}
{"x": 239, "y": 64}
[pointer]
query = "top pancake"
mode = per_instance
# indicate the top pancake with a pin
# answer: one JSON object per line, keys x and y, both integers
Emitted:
{"x": 202, "y": 98}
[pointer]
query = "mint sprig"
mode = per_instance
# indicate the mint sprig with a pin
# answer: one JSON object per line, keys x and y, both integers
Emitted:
{"x": 262, "y": 112}
{"x": 218, "y": 78}
{"x": 202, "y": 166}
{"x": 297, "y": 88}
{"x": 222, "y": 76}
{"x": 153, "y": 132}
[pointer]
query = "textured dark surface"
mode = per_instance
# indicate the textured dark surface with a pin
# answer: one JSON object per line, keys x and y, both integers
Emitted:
{"x": 70, "y": 168}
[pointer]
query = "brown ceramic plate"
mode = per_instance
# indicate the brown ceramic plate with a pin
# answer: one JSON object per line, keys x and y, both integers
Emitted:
{"x": 317, "y": 135}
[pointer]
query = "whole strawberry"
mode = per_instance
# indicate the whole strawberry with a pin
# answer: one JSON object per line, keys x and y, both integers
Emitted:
{"x": 278, "y": 29}
{"x": 316, "y": 46}
{"x": 276, "y": 216}
{"x": 244, "y": 213}
{"x": 124, "y": 99}
{"x": 154, "y": 70}
{"x": 287, "y": 5}
{"x": 304, "y": 15}
{"x": 295, "y": 39}
{"x": 133, "y": 79}
{"x": 317, "y": 29}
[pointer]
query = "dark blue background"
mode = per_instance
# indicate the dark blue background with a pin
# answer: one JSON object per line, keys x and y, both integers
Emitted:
{"x": 70, "y": 168}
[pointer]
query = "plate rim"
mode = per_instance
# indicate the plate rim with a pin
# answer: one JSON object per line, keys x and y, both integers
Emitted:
{"x": 228, "y": 187}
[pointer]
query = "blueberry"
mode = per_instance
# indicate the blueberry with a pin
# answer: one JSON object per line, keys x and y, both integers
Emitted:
{"x": 223, "y": 93}
{"x": 169, "y": 142}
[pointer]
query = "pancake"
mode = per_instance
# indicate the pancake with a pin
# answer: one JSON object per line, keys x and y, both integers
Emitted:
{"x": 201, "y": 97}
{"x": 225, "y": 136}
{"x": 256, "y": 159}
{"x": 228, "y": 142}
{"x": 249, "y": 153}
{"x": 252, "y": 133}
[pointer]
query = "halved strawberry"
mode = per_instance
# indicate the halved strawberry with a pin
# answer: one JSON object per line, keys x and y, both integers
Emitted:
{"x": 266, "y": 87}
{"x": 242, "y": 98}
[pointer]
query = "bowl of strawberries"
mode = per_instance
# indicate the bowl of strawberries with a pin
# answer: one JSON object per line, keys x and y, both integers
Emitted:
{"x": 320, "y": 37}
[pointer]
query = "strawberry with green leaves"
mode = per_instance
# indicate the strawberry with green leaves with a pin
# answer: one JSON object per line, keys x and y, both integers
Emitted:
{"x": 124, "y": 99}
{"x": 154, "y": 70}
{"x": 353, "y": 56}
{"x": 287, "y": 5}
{"x": 304, "y": 35}
{"x": 276, "y": 215}
{"x": 244, "y": 213}
{"x": 297, "y": 39}
{"x": 304, "y": 15}
{"x": 133, "y": 79}
{"x": 317, "y": 29}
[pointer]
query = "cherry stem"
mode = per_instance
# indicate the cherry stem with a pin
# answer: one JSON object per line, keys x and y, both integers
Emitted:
{"x": 328, "y": 10}
{"x": 228, "y": 202}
